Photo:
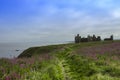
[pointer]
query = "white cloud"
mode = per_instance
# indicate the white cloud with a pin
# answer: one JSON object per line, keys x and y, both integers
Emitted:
{"x": 116, "y": 13}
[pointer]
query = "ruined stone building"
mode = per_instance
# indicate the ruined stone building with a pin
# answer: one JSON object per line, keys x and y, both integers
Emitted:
{"x": 89, "y": 38}
{"x": 107, "y": 39}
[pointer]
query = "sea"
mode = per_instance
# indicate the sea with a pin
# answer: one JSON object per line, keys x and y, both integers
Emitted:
{"x": 12, "y": 50}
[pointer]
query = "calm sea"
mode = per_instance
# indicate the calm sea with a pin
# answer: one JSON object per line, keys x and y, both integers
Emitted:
{"x": 11, "y": 50}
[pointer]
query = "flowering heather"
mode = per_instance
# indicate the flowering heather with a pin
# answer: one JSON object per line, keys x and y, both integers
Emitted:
{"x": 14, "y": 69}
{"x": 71, "y": 62}
{"x": 105, "y": 49}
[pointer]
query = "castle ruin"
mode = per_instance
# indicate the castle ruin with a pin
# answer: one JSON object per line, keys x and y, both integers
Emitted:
{"x": 107, "y": 39}
{"x": 89, "y": 38}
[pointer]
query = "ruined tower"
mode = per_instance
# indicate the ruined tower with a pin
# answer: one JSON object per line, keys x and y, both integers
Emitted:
{"x": 111, "y": 37}
{"x": 77, "y": 38}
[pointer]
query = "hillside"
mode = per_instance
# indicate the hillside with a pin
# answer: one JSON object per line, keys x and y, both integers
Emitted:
{"x": 40, "y": 50}
{"x": 52, "y": 48}
{"x": 83, "y": 61}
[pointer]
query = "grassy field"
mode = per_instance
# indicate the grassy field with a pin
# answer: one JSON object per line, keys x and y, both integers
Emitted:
{"x": 84, "y": 61}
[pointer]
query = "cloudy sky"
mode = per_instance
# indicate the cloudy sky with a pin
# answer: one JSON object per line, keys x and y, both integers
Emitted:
{"x": 60, "y": 20}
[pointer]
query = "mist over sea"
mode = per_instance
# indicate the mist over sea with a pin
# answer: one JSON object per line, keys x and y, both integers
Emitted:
{"x": 11, "y": 50}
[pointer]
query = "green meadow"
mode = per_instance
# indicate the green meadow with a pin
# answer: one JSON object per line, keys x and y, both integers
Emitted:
{"x": 83, "y": 61}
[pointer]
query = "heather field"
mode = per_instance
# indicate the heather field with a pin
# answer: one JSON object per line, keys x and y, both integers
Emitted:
{"x": 84, "y": 61}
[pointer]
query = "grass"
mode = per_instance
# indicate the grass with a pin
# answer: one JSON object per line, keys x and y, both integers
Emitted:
{"x": 84, "y": 61}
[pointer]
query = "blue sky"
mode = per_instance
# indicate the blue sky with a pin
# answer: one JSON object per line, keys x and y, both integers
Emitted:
{"x": 60, "y": 20}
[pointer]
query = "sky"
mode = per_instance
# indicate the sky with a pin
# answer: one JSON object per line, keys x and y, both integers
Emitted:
{"x": 57, "y": 20}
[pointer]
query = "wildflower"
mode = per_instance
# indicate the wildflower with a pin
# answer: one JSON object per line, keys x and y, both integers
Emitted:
{"x": 22, "y": 65}
{"x": 7, "y": 78}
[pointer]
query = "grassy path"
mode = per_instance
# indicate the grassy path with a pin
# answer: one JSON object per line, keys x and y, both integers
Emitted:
{"x": 76, "y": 67}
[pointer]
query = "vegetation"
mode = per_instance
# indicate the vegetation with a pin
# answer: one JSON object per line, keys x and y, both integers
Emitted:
{"x": 84, "y": 61}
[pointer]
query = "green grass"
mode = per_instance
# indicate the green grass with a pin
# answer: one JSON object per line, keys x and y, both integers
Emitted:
{"x": 40, "y": 50}
{"x": 65, "y": 62}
